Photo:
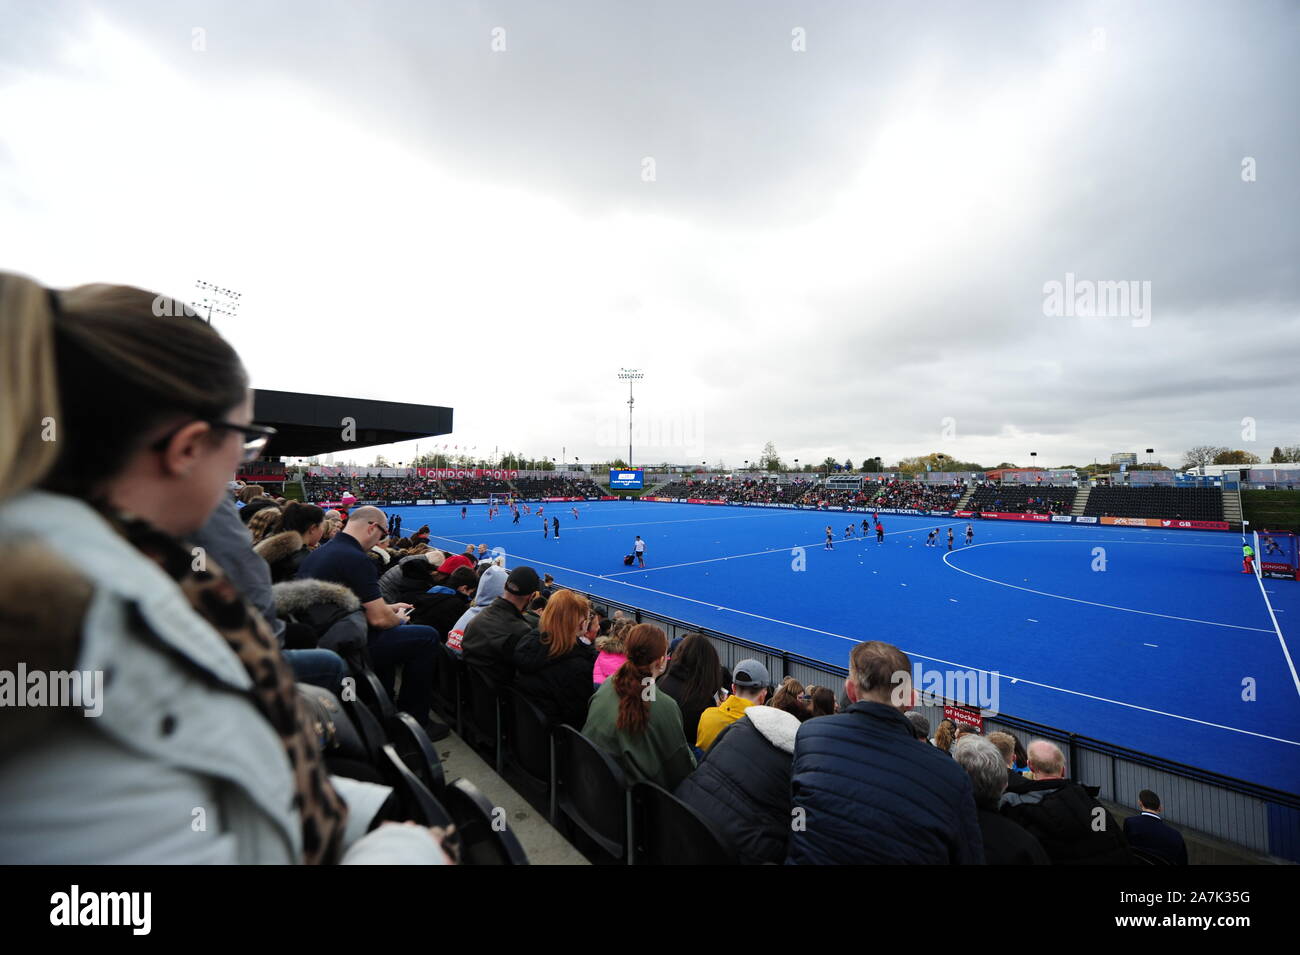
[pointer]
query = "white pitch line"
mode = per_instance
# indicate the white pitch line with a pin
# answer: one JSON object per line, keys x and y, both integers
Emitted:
{"x": 757, "y": 553}
{"x": 919, "y": 656}
{"x": 1094, "y": 603}
{"x": 1278, "y": 630}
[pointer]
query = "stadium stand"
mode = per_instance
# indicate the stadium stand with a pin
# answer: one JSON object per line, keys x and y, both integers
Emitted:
{"x": 469, "y": 489}
{"x": 318, "y": 489}
{"x": 1184, "y": 503}
{"x": 529, "y": 489}
{"x": 1022, "y": 499}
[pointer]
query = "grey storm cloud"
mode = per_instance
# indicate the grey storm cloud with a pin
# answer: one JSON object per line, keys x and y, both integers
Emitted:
{"x": 961, "y": 155}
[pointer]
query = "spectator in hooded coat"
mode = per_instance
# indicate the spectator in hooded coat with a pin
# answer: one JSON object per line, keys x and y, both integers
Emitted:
{"x": 742, "y": 785}
{"x": 1063, "y": 814}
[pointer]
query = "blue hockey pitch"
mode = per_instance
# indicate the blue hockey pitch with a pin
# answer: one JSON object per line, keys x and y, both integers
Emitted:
{"x": 1146, "y": 639}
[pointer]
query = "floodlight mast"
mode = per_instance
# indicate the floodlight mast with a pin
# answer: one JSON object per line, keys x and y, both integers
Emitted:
{"x": 218, "y": 300}
{"x": 630, "y": 375}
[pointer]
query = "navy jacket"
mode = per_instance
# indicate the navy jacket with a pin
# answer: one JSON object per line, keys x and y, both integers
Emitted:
{"x": 1153, "y": 834}
{"x": 742, "y": 785}
{"x": 872, "y": 793}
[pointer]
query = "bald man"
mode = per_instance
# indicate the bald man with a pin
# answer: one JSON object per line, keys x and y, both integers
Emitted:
{"x": 1064, "y": 816}
{"x": 392, "y": 639}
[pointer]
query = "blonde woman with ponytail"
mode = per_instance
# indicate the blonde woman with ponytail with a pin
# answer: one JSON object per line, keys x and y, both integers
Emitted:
{"x": 636, "y": 723}
{"x": 122, "y": 420}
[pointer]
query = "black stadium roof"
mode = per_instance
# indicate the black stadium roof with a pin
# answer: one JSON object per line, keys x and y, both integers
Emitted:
{"x": 308, "y": 425}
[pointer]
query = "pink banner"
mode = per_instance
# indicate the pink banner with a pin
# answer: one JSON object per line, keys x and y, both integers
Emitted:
{"x": 1005, "y": 516}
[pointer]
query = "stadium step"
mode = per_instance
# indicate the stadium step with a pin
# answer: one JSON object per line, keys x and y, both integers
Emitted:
{"x": 965, "y": 499}
{"x": 543, "y": 843}
{"x": 1232, "y": 506}
{"x": 1080, "y": 501}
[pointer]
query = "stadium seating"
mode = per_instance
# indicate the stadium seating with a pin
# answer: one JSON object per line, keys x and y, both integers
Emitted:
{"x": 534, "y": 488}
{"x": 669, "y": 832}
{"x": 470, "y": 489}
{"x": 1023, "y": 499}
{"x": 592, "y": 791}
{"x": 416, "y": 803}
{"x": 529, "y": 750}
{"x": 318, "y": 489}
{"x": 483, "y": 840}
{"x": 416, "y": 750}
{"x": 483, "y": 728}
{"x": 1183, "y": 503}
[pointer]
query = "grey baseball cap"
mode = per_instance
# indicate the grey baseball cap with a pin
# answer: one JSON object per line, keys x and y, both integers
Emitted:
{"x": 750, "y": 673}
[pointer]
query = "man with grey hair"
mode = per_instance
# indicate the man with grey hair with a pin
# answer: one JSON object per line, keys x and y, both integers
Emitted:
{"x": 864, "y": 792}
{"x": 1006, "y": 744}
{"x": 920, "y": 725}
{"x": 1005, "y": 843}
{"x": 1064, "y": 816}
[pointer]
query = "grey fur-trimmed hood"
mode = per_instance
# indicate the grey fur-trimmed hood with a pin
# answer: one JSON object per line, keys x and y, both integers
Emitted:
{"x": 297, "y": 596}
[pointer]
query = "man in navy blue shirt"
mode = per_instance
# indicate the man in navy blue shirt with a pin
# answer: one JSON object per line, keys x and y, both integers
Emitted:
{"x": 1149, "y": 833}
{"x": 393, "y": 639}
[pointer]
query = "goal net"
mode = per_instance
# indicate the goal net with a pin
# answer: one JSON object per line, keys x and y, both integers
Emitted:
{"x": 1276, "y": 554}
{"x": 499, "y": 500}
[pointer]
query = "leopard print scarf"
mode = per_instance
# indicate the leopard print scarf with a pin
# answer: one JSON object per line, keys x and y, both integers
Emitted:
{"x": 274, "y": 693}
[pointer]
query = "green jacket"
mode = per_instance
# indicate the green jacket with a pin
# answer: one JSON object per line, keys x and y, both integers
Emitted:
{"x": 658, "y": 755}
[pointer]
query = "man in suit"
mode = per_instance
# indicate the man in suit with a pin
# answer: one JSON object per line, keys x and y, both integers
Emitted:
{"x": 1148, "y": 832}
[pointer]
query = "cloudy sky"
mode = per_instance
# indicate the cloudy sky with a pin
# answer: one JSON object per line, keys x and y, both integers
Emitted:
{"x": 826, "y": 225}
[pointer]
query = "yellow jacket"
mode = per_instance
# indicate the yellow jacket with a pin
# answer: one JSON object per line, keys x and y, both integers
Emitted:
{"x": 717, "y": 718}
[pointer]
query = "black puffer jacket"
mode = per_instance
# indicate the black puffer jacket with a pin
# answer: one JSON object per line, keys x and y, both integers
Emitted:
{"x": 1060, "y": 814}
{"x": 440, "y": 609}
{"x": 408, "y": 580}
{"x": 742, "y": 786}
{"x": 560, "y": 686}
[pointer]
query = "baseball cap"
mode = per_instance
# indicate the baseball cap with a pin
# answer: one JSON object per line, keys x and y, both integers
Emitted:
{"x": 750, "y": 673}
{"x": 523, "y": 581}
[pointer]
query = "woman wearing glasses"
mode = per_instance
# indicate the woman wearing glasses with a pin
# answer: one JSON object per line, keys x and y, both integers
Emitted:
{"x": 120, "y": 427}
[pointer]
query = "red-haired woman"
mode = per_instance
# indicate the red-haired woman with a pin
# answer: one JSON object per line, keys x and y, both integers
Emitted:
{"x": 553, "y": 663}
{"x": 640, "y": 726}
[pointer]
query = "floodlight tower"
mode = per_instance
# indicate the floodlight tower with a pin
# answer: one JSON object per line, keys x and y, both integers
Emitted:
{"x": 630, "y": 375}
{"x": 217, "y": 299}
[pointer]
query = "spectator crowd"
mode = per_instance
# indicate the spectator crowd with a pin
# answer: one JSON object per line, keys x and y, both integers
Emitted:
{"x": 129, "y": 550}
